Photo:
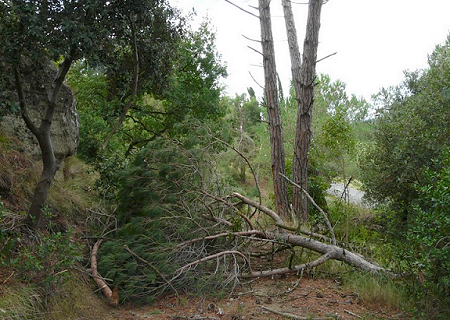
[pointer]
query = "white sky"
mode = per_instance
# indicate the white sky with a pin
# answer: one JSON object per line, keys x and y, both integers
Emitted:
{"x": 375, "y": 40}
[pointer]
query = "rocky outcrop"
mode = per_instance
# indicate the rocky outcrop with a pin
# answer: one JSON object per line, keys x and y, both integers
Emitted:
{"x": 37, "y": 80}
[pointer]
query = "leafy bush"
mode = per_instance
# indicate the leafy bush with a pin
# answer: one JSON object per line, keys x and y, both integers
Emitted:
{"x": 427, "y": 253}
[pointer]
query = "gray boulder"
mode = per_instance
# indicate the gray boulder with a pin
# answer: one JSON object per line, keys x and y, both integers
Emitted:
{"x": 37, "y": 80}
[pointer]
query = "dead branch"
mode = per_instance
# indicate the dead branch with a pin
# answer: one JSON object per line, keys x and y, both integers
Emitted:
{"x": 219, "y": 235}
{"x": 277, "y": 219}
{"x": 217, "y": 219}
{"x": 259, "y": 85}
{"x": 329, "y": 251}
{"x": 154, "y": 268}
{"x": 254, "y": 40}
{"x": 231, "y": 205}
{"x": 326, "y": 57}
{"x": 289, "y": 315}
{"x": 285, "y": 270}
{"x": 246, "y": 161}
{"x": 334, "y": 252}
{"x": 242, "y": 9}
{"x": 97, "y": 278}
{"x": 353, "y": 314}
{"x": 214, "y": 256}
{"x": 330, "y": 228}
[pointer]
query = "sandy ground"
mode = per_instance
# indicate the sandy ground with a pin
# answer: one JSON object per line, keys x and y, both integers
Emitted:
{"x": 297, "y": 298}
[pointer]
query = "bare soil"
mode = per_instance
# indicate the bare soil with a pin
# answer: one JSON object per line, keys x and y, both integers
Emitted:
{"x": 304, "y": 298}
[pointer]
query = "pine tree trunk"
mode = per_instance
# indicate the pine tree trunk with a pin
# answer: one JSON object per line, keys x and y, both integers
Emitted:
{"x": 273, "y": 110}
{"x": 305, "y": 98}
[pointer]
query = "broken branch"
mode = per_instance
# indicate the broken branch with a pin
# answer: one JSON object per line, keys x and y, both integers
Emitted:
{"x": 214, "y": 256}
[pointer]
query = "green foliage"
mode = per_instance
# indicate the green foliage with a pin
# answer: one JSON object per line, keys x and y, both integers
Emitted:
{"x": 401, "y": 170}
{"x": 94, "y": 106}
{"x": 336, "y": 118}
{"x": 411, "y": 130}
{"x": 243, "y": 119}
{"x": 195, "y": 84}
{"x": 191, "y": 90}
{"x": 427, "y": 250}
{"x": 159, "y": 208}
{"x": 44, "y": 262}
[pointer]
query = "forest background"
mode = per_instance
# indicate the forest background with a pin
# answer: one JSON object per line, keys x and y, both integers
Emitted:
{"x": 162, "y": 150}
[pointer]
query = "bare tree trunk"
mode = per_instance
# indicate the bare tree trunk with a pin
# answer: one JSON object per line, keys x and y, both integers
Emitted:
{"x": 305, "y": 98}
{"x": 273, "y": 110}
{"x": 42, "y": 133}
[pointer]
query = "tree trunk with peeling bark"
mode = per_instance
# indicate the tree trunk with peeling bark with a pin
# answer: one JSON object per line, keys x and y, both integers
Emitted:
{"x": 305, "y": 97}
{"x": 273, "y": 110}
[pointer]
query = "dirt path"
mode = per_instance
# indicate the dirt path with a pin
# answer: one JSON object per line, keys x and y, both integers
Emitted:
{"x": 310, "y": 299}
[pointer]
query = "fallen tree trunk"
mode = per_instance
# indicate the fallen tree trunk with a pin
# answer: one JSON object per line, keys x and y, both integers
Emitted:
{"x": 112, "y": 295}
{"x": 329, "y": 251}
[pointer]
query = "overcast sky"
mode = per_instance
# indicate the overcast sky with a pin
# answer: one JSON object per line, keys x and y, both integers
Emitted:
{"x": 375, "y": 40}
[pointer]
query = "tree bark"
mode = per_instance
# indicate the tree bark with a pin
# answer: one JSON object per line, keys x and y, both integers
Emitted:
{"x": 42, "y": 133}
{"x": 97, "y": 278}
{"x": 305, "y": 99}
{"x": 273, "y": 110}
{"x": 329, "y": 251}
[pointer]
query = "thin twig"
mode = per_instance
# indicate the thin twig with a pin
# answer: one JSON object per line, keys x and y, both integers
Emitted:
{"x": 246, "y": 161}
{"x": 256, "y": 83}
{"x": 256, "y": 50}
{"x": 214, "y": 256}
{"x": 353, "y": 314}
{"x": 8, "y": 278}
{"x": 240, "y": 8}
{"x": 290, "y": 315}
{"x": 330, "y": 227}
{"x": 322, "y": 259}
{"x": 154, "y": 268}
{"x": 326, "y": 57}
{"x": 250, "y": 39}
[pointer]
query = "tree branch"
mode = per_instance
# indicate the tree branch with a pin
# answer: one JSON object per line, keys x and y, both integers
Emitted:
{"x": 214, "y": 256}
{"x": 285, "y": 270}
{"x": 242, "y": 9}
{"x": 97, "y": 278}
{"x": 330, "y": 227}
{"x": 246, "y": 160}
{"x": 290, "y": 315}
{"x": 133, "y": 89}
{"x": 277, "y": 219}
{"x": 23, "y": 108}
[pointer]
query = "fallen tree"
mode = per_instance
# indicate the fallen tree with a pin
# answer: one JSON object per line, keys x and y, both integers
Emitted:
{"x": 328, "y": 251}
{"x": 173, "y": 235}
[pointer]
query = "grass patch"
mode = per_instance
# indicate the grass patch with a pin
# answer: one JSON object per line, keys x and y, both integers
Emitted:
{"x": 72, "y": 300}
{"x": 20, "y": 302}
{"x": 375, "y": 289}
{"x": 75, "y": 300}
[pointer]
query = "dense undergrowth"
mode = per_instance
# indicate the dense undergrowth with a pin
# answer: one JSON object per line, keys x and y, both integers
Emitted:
{"x": 41, "y": 275}
{"x": 39, "y": 272}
